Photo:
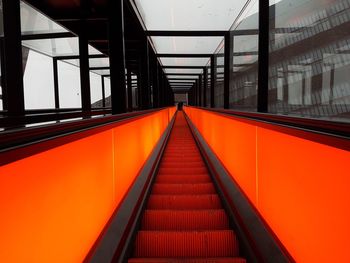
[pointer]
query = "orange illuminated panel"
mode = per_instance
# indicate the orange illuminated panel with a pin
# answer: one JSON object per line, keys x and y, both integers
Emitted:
{"x": 299, "y": 186}
{"x": 54, "y": 205}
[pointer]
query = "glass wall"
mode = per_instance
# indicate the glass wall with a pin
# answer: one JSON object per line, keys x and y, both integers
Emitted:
{"x": 69, "y": 85}
{"x": 310, "y": 58}
{"x": 244, "y": 71}
{"x": 219, "y": 77}
{"x": 38, "y": 80}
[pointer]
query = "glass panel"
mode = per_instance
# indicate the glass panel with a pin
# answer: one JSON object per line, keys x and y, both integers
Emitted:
{"x": 244, "y": 74}
{"x": 189, "y": 14}
{"x": 310, "y": 59}
{"x": 96, "y": 90}
{"x": 34, "y": 22}
{"x": 184, "y": 61}
{"x": 219, "y": 78}
{"x": 99, "y": 62}
{"x": 55, "y": 47}
{"x": 193, "y": 71}
{"x": 194, "y": 76}
{"x": 38, "y": 80}
{"x": 101, "y": 71}
{"x": 186, "y": 45}
{"x": 1, "y": 20}
{"x": 69, "y": 85}
{"x": 108, "y": 92}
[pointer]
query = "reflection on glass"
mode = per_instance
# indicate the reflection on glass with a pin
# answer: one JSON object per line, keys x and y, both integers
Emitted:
{"x": 96, "y": 90}
{"x": 34, "y": 22}
{"x": 38, "y": 80}
{"x": 244, "y": 72}
{"x": 69, "y": 85}
{"x": 310, "y": 59}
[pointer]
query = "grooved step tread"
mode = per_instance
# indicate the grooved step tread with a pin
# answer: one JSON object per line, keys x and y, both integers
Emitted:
{"x": 186, "y": 244}
{"x": 184, "y": 202}
{"x": 183, "y": 170}
{"x": 187, "y": 260}
{"x": 185, "y": 220}
{"x": 183, "y": 179}
{"x": 205, "y": 188}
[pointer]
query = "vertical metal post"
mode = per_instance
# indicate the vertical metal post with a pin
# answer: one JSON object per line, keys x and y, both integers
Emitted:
{"x": 117, "y": 55}
{"x": 205, "y": 75}
{"x": 55, "y": 82}
{"x": 161, "y": 86}
{"x": 129, "y": 81}
{"x": 155, "y": 84}
{"x": 145, "y": 83}
{"x": 103, "y": 91}
{"x": 212, "y": 80}
{"x": 227, "y": 68}
{"x": 263, "y": 71}
{"x": 13, "y": 58}
{"x": 200, "y": 90}
{"x": 84, "y": 71}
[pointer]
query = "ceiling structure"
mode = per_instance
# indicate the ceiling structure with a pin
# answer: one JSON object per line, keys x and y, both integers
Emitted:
{"x": 162, "y": 17}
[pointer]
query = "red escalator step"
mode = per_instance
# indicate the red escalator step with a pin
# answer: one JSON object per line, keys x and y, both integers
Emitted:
{"x": 184, "y": 202}
{"x": 185, "y": 220}
{"x": 183, "y": 164}
{"x": 183, "y": 179}
{"x": 183, "y": 170}
{"x": 180, "y": 159}
{"x": 186, "y": 244}
{"x": 172, "y": 189}
{"x": 187, "y": 260}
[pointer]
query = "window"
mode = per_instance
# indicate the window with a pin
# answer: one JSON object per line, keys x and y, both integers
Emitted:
{"x": 38, "y": 80}
{"x": 69, "y": 85}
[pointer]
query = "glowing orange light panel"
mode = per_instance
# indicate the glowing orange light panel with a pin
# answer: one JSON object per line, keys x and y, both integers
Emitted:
{"x": 53, "y": 205}
{"x": 299, "y": 186}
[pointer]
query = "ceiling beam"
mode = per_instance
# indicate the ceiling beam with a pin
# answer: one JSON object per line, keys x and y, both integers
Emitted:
{"x": 185, "y": 33}
{"x": 182, "y": 55}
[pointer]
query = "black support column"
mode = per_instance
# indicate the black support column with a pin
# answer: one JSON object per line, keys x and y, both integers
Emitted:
{"x": 205, "y": 80}
{"x": 14, "y": 91}
{"x": 227, "y": 68}
{"x": 212, "y": 80}
{"x": 84, "y": 71}
{"x": 155, "y": 81}
{"x": 117, "y": 56}
{"x": 55, "y": 82}
{"x": 145, "y": 76}
{"x": 200, "y": 90}
{"x": 129, "y": 80}
{"x": 263, "y": 71}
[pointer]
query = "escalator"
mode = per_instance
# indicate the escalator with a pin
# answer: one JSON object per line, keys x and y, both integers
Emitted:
{"x": 184, "y": 220}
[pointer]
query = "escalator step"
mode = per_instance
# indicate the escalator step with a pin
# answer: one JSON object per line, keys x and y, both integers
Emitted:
{"x": 187, "y": 260}
{"x": 173, "y": 189}
{"x": 183, "y": 179}
{"x": 186, "y": 244}
{"x": 185, "y": 220}
{"x": 183, "y": 170}
{"x": 184, "y": 202}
